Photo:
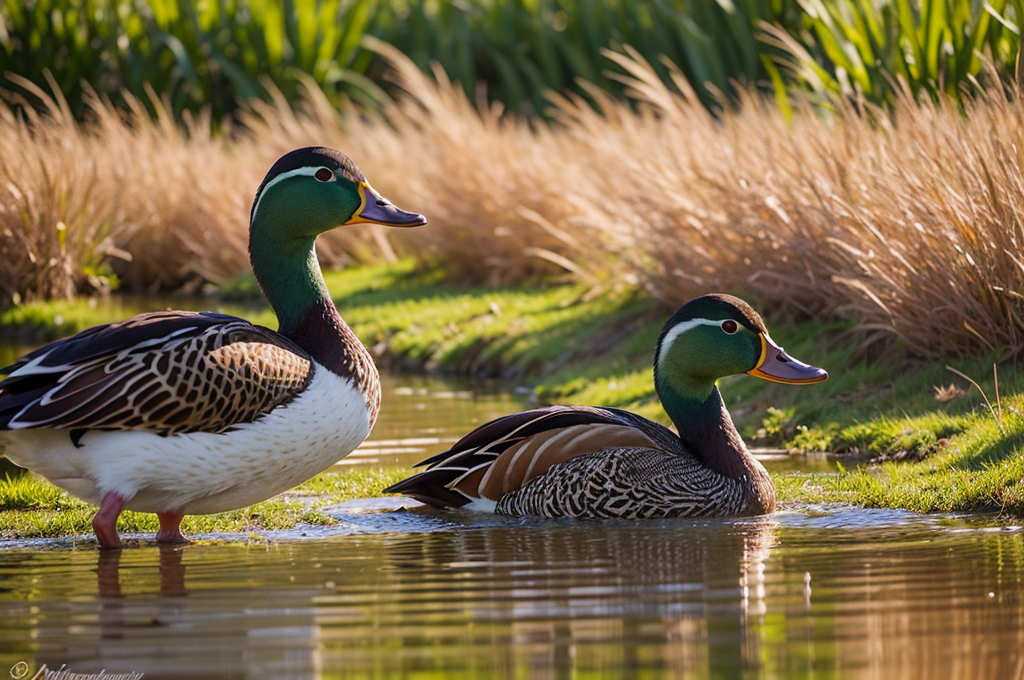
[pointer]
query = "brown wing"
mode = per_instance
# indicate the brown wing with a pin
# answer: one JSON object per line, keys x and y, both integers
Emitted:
{"x": 205, "y": 376}
{"x": 535, "y": 455}
{"x": 504, "y": 455}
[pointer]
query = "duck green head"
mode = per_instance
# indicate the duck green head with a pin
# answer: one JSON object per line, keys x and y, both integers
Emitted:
{"x": 312, "y": 190}
{"x": 307, "y": 192}
{"x": 718, "y": 335}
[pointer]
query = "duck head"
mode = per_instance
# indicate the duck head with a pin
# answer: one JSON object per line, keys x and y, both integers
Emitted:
{"x": 307, "y": 192}
{"x": 315, "y": 189}
{"x": 715, "y": 336}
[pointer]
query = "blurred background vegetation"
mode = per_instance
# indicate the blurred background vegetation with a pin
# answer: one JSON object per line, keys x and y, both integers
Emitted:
{"x": 829, "y": 159}
{"x": 219, "y": 53}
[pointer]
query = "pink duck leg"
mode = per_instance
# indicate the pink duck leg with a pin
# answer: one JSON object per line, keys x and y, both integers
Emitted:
{"x": 104, "y": 523}
{"x": 170, "y": 528}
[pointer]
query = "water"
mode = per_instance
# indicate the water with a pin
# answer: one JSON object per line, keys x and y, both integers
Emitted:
{"x": 397, "y": 592}
{"x": 422, "y": 415}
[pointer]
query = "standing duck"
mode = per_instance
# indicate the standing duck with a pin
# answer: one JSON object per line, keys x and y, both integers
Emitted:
{"x": 578, "y": 461}
{"x": 181, "y": 413}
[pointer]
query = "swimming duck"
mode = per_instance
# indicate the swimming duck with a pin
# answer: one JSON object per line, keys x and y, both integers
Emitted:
{"x": 181, "y": 413}
{"x": 588, "y": 462}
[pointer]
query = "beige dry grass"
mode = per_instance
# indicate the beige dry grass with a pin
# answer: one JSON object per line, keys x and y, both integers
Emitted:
{"x": 911, "y": 223}
{"x": 120, "y": 194}
{"x": 500, "y": 194}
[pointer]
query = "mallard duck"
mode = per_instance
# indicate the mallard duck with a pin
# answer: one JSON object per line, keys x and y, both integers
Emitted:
{"x": 588, "y": 462}
{"x": 194, "y": 413}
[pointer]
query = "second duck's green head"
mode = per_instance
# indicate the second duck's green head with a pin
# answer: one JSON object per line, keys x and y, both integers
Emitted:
{"x": 315, "y": 189}
{"x": 718, "y": 335}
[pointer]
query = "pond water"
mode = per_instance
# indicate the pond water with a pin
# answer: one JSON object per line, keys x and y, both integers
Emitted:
{"x": 394, "y": 591}
{"x": 422, "y": 415}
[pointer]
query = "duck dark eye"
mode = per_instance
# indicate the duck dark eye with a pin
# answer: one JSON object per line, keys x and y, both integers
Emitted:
{"x": 730, "y": 326}
{"x": 323, "y": 174}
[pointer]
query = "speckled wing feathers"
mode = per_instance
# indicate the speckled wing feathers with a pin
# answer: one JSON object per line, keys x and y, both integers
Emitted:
{"x": 633, "y": 483}
{"x": 534, "y": 456}
{"x": 166, "y": 372}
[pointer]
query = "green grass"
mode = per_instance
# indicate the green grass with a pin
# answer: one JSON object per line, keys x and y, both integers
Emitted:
{"x": 215, "y": 55}
{"x": 870, "y": 49}
{"x": 195, "y": 55}
{"x": 953, "y": 455}
{"x": 34, "y": 508}
{"x": 979, "y": 467}
{"x": 58, "y": 318}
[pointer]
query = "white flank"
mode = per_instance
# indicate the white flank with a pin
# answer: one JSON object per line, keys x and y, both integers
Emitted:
{"x": 201, "y": 472}
{"x": 679, "y": 329}
{"x": 481, "y": 505}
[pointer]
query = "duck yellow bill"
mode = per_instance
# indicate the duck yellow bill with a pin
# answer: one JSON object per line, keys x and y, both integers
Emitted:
{"x": 777, "y": 366}
{"x": 375, "y": 209}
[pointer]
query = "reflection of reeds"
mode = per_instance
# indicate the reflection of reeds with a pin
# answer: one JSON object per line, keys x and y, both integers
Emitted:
{"x": 912, "y": 223}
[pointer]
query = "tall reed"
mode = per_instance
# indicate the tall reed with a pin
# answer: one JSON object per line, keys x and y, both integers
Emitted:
{"x": 194, "y": 54}
{"x": 870, "y": 49}
{"x": 910, "y": 222}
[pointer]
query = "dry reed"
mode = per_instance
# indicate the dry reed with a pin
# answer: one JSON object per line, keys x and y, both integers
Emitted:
{"x": 911, "y": 223}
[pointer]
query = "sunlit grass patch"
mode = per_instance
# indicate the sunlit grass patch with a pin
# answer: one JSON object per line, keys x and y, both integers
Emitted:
{"x": 25, "y": 492}
{"x": 978, "y": 466}
{"x": 349, "y": 482}
{"x": 52, "y": 319}
{"x": 33, "y": 508}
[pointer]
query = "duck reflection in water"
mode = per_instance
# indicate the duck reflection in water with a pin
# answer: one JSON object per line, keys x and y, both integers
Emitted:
{"x": 483, "y": 593}
{"x": 555, "y": 592}
{"x": 172, "y": 573}
{"x": 112, "y": 618}
{"x": 623, "y": 587}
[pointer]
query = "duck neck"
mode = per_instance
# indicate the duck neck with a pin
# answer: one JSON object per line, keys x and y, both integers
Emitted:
{"x": 707, "y": 431}
{"x": 289, "y": 274}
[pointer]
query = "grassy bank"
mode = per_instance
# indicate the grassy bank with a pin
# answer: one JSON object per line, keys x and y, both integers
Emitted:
{"x": 940, "y": 446}
{"x": 33, "y": 508}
